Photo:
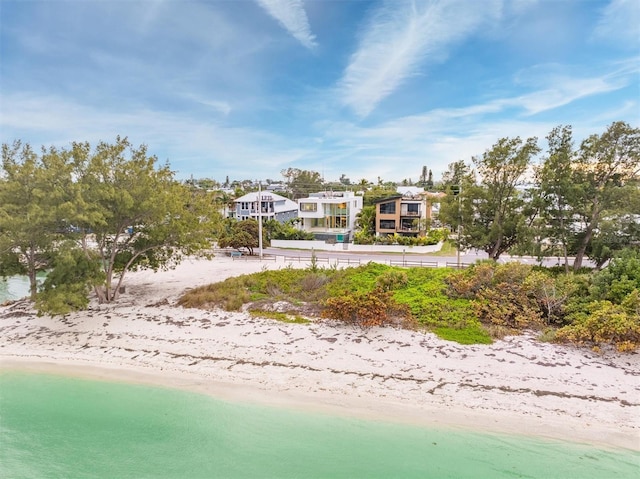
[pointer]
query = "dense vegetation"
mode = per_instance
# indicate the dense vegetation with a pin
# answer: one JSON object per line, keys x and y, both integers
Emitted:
{"x": 580, "y": 202}
{"x": 87, "y": 216}
{"x": 485, "y": 301}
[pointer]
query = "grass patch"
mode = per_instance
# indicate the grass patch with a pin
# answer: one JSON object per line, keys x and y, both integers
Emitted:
{"x": 472, "y": 334}
{"x": 278, "y": 316}
{"x": 449, "y": 248}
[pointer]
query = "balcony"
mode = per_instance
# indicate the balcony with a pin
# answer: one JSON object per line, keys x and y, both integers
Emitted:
{"x": 411, "y": 214}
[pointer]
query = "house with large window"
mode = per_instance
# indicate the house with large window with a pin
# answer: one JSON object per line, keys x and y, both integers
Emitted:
{"x": 272, "y": 206}
{"x": 405, "y": 214}
{"x": 330, "y": 215}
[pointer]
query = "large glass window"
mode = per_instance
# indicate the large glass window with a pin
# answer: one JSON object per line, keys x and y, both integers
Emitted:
{"x": 311, "y": 207}
{"x": 412, "y": 208}
{"x": 387, "y": 224}
{"x": 388, "y": 208}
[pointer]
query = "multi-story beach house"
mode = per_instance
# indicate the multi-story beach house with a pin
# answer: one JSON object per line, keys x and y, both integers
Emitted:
{"x": 330, "y": 215}
{"x": 272, "y": 206}
{"x": 406, "y": 214}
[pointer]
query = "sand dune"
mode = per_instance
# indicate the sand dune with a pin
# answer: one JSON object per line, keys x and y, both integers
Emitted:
{"x": 516, "y": 385}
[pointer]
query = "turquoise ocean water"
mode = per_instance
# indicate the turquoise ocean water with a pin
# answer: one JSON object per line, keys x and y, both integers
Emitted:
{"x": 13, "y": 288}
{"x": 62, "y": 427}
{"x": 16, "y": 287}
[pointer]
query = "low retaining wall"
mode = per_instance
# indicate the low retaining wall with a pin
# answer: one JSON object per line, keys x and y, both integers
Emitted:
{"x": 354, "y": 248}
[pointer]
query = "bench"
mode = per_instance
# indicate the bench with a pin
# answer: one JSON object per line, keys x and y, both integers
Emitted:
{"x": 235, "y": 254}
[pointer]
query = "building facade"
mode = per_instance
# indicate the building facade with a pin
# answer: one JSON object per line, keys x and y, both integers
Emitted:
{"x": 272, "y": 206}
{"x": 407, "y": 214}
{"x": 330, "y": 215}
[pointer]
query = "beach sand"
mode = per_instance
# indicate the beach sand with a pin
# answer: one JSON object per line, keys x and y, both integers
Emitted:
{"x": 516, "y": 385}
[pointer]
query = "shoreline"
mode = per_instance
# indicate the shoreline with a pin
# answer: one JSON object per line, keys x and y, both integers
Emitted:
{"x": 517, "y": 386}
{"x": 366, "y": 409}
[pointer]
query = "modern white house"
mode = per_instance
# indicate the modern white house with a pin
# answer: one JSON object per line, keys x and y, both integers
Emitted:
{"x": 330, "y": 215}
{"x": 272, "y": 206}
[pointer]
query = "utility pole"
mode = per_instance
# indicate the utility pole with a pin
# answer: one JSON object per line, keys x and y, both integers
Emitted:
{"x": 459, "y": 229}
{"x": 460, "y": 223}
{"x": 260, "y": 218}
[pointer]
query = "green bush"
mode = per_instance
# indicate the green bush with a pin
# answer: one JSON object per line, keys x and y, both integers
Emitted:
{"x": 392, "y": 279}
{"x": 604, "y": 323}
{"x": 366, "y": 310}
{"x": 619, "y": 278}
{"x": 67, "y": 285}
{"x": 551, "y": 293}
{"x": 472, "y": 334}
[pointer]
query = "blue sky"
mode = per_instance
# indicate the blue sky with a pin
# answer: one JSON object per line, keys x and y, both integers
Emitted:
{"x": 368, "y": 89}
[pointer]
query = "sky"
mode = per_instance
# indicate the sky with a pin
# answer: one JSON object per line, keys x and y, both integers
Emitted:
{"x": 367, "y": 89}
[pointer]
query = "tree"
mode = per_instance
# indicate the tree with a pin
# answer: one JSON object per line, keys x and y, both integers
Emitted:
{"x": 606, "y": 167}
{"x": 302, "y": 182}
{"x": 616, "y": 231}
{"x": 225, "y": 202}
{"x": 274, "y": 230}
{"x": 366, "y": 221}
{"x": 241, "y": 234}
{"x": 34, "y": 198}
{"x": 364, "y": 184}
{"x": 492, "y": 212}
{"x": 456, "y": 173}
{"x": 69, "y": 281}
{"x": 377, "y": 193}
{"x": 344, "y": 180}
{"x": 133, "y": 214}
{"x": 556, "y": 189}
{"x": 423, "y": 177}
{"x": 429, "y": 184}
{"x": 457, "y": 177}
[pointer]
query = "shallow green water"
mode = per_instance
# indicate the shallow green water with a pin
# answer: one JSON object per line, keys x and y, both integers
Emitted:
{"x": 56, "y": 426}
{"x": 16, "y": 287}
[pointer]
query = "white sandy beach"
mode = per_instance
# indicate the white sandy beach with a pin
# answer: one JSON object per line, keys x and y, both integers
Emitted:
{"x": 516, "y": 385}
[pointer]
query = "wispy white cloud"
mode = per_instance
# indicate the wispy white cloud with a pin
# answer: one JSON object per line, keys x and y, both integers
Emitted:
{"x": 397, "y": 148}
{"x": 554, "y": 86}
{"x": 399, "y": 37}
{"x": 220, "y": 106}
{"x": 293, "y": 17}
{"x": 620, "y": 23}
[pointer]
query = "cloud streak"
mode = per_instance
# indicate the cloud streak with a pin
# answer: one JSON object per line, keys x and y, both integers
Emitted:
{"x": 620, "y": 22}
{"x": 399, "y": 38}
{"x": 293, "y": 17}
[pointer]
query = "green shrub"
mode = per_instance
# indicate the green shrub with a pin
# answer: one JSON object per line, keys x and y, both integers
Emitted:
{"x": 604, "y": 323}
{"x": 472, "y": 334}
{"x": 468, "y": 283}
{"x": 366, "y": 310}
{"x": 391, "y": 279}
{"x": 619, "y": 278}
{"x": 507, "y": 304}
{"x": 551, "y": 293}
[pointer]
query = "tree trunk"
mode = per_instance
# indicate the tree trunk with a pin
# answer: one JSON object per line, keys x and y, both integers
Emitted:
{"x": 593, "y": 223}
{"x": 494, "y": 252}
{"x": 564, "y": 243}
{"x": 33, "y": 283}
{"x": 31, "y": 273}
{"x": 577, "y": 264}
